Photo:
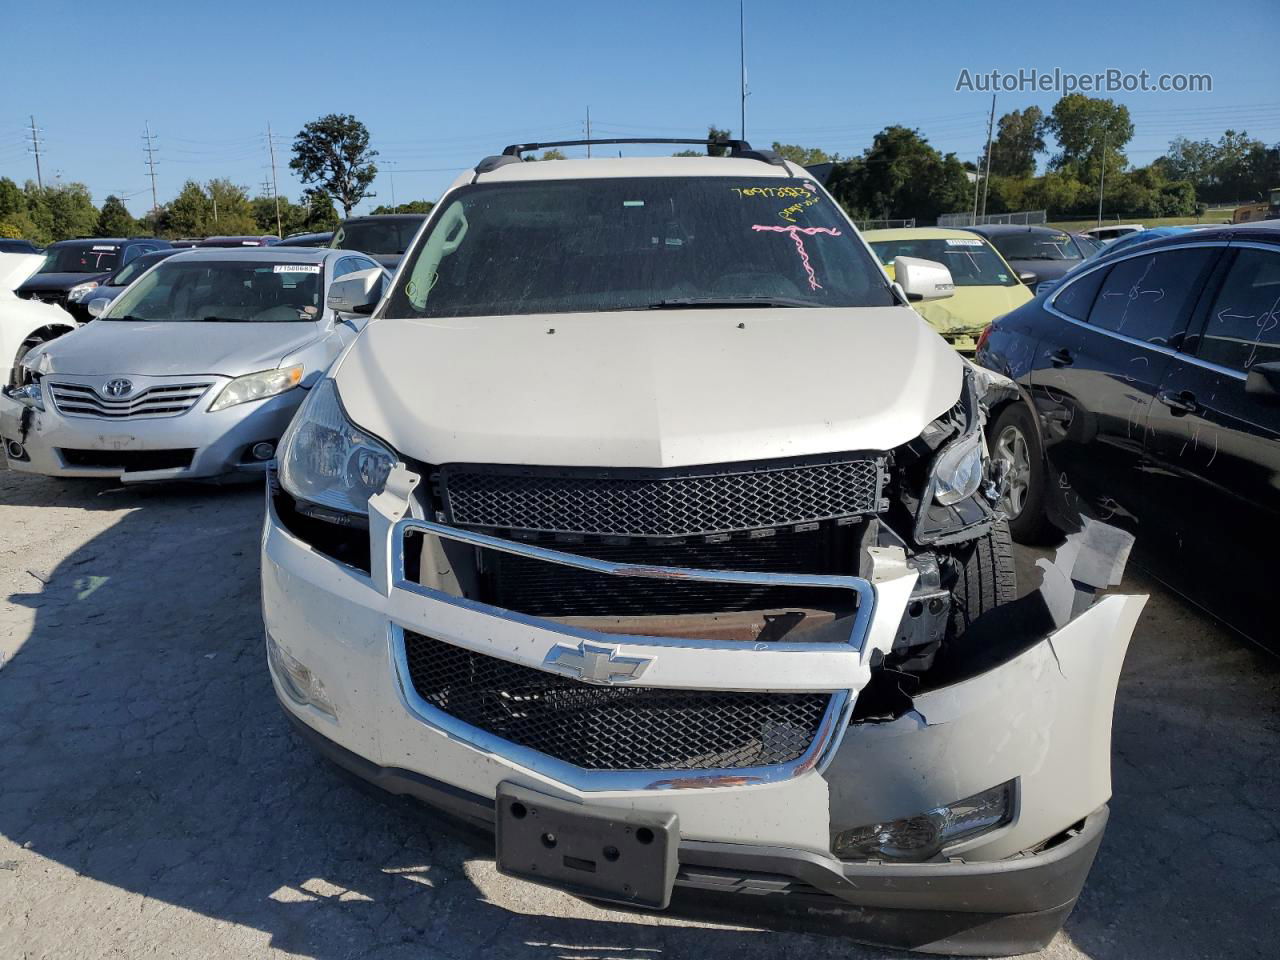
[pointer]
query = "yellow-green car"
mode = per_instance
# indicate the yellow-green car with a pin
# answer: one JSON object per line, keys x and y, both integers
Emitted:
{"x": 986, "y": 286}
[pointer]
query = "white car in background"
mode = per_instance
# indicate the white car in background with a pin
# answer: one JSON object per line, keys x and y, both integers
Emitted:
{"x": 649, "y": 526}
{"x": 1113, "y": 231}
{"x": 24, "y": 324}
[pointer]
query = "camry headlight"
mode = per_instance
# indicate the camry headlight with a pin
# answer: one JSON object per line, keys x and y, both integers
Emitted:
{"x": 923, "y": 836}
{"x": 327, "y": 459}
{"x": 257, "y": 386}
{"x": 958, "y": 470}
{"x": 28, "y": 395}
{"x": 77, "y": 293}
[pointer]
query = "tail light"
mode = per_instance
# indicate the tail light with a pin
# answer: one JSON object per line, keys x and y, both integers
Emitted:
{"x": 983, "y": 338}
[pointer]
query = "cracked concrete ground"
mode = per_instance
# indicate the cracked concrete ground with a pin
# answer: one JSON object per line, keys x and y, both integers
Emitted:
{"x": 154, "y": 803}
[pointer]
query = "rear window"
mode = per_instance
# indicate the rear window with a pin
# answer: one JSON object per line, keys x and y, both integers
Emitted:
{"x": 1243, "y": 327}
{"x": 971, "y": 261}
{"x": 81, "y": 258}
{"x": 1036, "y": 246}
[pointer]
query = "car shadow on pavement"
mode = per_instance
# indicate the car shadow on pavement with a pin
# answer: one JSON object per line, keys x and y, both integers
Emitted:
{"x": 141, "y": 747}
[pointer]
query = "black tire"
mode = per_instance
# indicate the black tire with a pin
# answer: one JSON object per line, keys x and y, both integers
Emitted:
{"x": 15, "y": 376}
{"x": 985, "y": 577}
{"x": 1028, "y": 521}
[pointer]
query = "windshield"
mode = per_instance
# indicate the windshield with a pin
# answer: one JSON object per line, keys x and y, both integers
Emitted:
{"x": 630, "y": 244}
{"x": 81, "y": 258}
{"x": 1036, "y": 246}
{"x": 132, "y": 271}
{"x": 971, "y": 261}
{"x": 382, "y": 237}
{"x": 224, "y": 291}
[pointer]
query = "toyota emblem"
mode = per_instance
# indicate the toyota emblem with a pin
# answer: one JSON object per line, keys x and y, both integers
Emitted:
{"x": 119, "y": 387}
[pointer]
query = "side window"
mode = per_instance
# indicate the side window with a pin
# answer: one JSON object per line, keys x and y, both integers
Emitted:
{"x": 346, "y": 265}
{"x": 1076, "y": 299}
{"x": 131, "y": 252}
{"x": 1149, "y": 298}
{"x": 1243, "y": 326}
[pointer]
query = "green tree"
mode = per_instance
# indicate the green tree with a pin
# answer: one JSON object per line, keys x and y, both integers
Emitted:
{"x": 552, "y": 154}
{"x": 230, "y": 212}
{"x": 189, "y": 214}
{"x": 333, "y": 152}
{"x": 413, "y": 206}
{"x": 715, "y": 133}
{"x": 320, "y": 212}
{"x": 114, "y": 220}
{"x": 1019, "y": 140}
{"x": 61, "y": 212}
{"x": 15, "y": 222}
{"x": 899, "y": 176}
{"x": 1083, "y": 126}
{"x": 805, "y": 156}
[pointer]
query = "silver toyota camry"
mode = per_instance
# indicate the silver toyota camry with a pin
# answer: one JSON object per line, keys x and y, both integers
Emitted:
{"x": 192, "y": 372}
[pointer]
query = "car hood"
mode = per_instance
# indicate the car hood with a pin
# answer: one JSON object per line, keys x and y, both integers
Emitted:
{"x": 970, "y": 309}
{"x": 649, "y": 389}
{"x": 1044, "y": 269}
{"x": 159, "y": 349}
{"x": 59, "y": 281}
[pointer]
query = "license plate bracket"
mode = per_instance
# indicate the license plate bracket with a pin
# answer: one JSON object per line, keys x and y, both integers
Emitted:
{"x": 606, "y": 853}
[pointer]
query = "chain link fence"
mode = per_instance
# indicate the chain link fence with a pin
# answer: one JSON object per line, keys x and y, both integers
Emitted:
{"x": 884, "y": 224}
{"x": 968, "y": 219}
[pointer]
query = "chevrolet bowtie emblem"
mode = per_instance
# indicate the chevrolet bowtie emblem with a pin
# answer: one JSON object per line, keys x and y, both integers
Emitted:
{"x": 594, "y": 663}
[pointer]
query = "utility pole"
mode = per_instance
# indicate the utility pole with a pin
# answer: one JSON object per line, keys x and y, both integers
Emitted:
{"x": 588, "y": 132}
{"x": 742, "y": 68}
{"x": 977, "y": 182}
{"x": 275, "y": 189}
{"x": 149, "y": 141}
{"x": 391, "y": 169}
{"x": 35, "y": 148}
{"x": 1102, "y": 174}
{"x": 986, "y": 181}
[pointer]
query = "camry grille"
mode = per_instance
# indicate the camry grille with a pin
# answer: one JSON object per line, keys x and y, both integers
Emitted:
{"x": 162, "y": 400}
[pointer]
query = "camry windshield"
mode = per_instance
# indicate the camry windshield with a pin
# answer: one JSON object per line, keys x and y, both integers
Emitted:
{"x": 381, "y": 237}
{"x": 81, "y": 258}
{"x": 1036, "y": 246}
{"x": 971, "y": 261}
{"x": 223, "y": 291}
{"x": 566, "y": 246}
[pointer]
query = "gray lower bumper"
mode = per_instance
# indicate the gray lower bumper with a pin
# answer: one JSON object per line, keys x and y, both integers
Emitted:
{"x": 1002, "y": 907}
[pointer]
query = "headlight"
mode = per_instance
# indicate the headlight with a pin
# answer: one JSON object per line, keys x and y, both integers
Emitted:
{"x": 923, "y": 836}
{"x": 257, "y": 386}
{"x": 77, "y": 293}
{"x": 958, "y": 470}
{"x": 28, "y": 395}
{"x": 326, "y": 459}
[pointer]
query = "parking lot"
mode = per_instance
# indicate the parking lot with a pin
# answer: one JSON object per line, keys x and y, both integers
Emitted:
{"x": 154, "y": 802}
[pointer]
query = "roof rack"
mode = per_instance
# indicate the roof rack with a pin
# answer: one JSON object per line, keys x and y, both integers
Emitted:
{"x": 740, "y": 149}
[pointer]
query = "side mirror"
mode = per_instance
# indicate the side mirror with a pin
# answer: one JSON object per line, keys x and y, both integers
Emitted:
{"x": 923, "y": 279}
{"x": 98, "y": 306}
{"x": 1029, "y": 278}
{"x": 1264, "y": 380}
{"x": 357, "y": 292}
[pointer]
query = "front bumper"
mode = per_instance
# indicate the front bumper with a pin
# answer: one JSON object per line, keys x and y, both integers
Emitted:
{"x": 1041, "y": 718}
{"x": 218, "y": 441}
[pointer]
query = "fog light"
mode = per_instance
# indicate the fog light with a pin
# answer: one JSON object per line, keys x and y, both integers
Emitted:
{"x": 263, "y": 451}
{"x": 303, "y": 687}
{"x": 924, "y": 835}
{"x": 15, "y": 450}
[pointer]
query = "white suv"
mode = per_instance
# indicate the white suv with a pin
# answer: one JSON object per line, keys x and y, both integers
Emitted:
{"x": 648, "y": 525}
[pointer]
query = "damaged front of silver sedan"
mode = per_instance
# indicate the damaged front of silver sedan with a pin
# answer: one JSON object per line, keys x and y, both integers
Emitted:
{"x": 686, "y": 626}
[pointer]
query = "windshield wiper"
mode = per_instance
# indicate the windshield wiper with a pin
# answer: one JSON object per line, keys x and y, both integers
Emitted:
{"x": 226, "y": 320}
{"x": 685, "y": 303}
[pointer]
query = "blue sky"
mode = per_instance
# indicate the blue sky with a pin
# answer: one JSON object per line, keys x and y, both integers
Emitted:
{"x": 442, "y": 84}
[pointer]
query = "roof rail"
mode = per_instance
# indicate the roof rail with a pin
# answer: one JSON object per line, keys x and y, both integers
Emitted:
{"x": 740, "y": 149}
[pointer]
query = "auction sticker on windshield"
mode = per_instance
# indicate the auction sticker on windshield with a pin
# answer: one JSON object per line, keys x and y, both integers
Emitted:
{"x": 296, "y": 268}
{"x": 964, "y": 243}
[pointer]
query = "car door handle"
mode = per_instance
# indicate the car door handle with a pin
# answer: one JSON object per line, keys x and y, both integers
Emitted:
{"x": 1062, "y": 358}
{"x": 1180, "y": 403}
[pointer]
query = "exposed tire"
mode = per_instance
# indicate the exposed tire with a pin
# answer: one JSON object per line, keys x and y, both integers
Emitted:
{"x": 984, "y": 577}
{"x": 15, "y": 372}
{"x": 1013, "y": 438}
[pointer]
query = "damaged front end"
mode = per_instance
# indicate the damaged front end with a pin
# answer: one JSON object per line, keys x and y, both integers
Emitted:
{"x": 807, "y": 681}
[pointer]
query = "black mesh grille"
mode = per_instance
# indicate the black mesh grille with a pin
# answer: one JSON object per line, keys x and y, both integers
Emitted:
{"x": 613, "y": 727}
{"x": 660, "y": 504}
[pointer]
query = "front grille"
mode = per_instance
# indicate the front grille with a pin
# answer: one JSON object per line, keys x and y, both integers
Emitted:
{"x": 542, "y": 589}
{"x": 56, "y": 297}
{"x": 657, "y": 503}
{"x": 613, "y": 727}
{"x": 162, "y": 400}
{"x": 130, "y": 461}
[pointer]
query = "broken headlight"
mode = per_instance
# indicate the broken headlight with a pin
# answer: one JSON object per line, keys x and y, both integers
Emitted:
{"x": 958, "y": 470}
{"x": 922, "y": 837}
{"x": 326, "y": 459}
{"x": 29, "y": 395}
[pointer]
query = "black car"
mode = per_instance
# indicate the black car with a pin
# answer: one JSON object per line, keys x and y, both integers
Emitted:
{"x": 266, "y": 240}
{"x": 308, "y": 239}
{"x": 78, "y": 265}
{"x": 1150, "y": 387}
{"x": 78, "y": 302}
{"x": 1036, "y": 253}
{"x": 385, "y": 237}
{"x": 8, "y": 245}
